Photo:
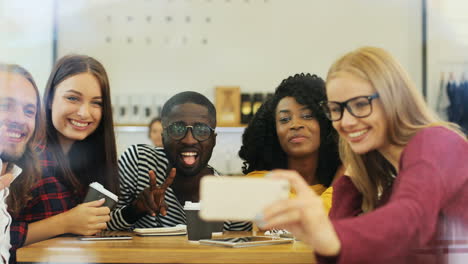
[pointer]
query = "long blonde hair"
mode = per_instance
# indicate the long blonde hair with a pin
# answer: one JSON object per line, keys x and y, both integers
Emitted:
{"x": 405, "y": 110}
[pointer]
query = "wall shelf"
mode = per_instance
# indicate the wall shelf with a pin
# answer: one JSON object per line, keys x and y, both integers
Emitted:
{"x": 144, "y": 128}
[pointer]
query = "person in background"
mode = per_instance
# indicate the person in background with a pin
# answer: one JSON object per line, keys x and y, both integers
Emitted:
{"x": 155, "y": 130}
{"x": 290, "y": 131}
{"x": 406, "y": 195}
{"x": 157, "y": 182}
{"x": 20, "y": 130}
{"x": 79, "y": 149}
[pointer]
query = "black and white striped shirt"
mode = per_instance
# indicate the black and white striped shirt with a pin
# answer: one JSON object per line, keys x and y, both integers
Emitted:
{"x": 134, "y": 165}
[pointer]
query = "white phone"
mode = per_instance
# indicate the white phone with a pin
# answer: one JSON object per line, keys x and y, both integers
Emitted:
{"x": 106, "y": 237}
{"x": 238, "y": 198}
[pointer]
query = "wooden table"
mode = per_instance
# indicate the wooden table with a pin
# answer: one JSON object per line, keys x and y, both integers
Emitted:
{"x": 167, "y": 249}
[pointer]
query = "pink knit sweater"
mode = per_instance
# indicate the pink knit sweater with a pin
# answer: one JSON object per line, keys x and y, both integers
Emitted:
{"x": 424, "y": 220}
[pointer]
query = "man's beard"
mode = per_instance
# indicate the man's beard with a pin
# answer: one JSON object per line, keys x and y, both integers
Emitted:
{"x": 12, "y": 156}
{"x": 12, "y": 152}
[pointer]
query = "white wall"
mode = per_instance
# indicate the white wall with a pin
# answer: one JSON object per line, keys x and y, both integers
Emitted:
{"x": 154, "y": 49}
{"x": 26, "y": 36}
{"x": 250, "y": 43}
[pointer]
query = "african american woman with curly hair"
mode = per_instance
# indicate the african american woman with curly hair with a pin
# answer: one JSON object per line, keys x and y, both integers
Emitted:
{"x": 290, "y": 131}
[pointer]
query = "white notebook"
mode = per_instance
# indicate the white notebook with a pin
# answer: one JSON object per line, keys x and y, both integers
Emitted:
{"x": 162, "y": 231}
{"x": 248, "y": 241}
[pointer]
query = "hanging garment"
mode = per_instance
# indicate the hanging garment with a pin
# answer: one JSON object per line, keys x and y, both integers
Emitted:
{"x": 451, "y": 90}
{"x": 442, "y": 99}
{"x": 464, "y": 106}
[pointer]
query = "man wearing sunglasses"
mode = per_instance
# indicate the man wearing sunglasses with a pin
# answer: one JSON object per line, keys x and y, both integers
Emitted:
{"x": 156, "y": 182}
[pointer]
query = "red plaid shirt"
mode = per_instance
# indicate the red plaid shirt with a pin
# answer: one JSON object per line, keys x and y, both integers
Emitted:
{"x": 50, "y": 196}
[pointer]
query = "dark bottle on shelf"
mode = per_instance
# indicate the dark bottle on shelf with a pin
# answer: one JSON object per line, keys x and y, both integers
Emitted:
{"x": 257, "y": 102}
{"x": 269, "y": 95}
{"x": 246, "y": 108}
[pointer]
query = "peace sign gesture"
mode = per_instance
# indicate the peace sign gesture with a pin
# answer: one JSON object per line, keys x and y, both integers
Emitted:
{"x": 151, "y": 199}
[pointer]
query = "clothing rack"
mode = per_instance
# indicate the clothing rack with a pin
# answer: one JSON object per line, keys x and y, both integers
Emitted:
{"x": 452, "y": 99}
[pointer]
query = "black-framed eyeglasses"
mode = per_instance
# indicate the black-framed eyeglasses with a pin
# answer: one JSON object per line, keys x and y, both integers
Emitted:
{"x": 178, "y": 131}
{"x": 360, "y": 106}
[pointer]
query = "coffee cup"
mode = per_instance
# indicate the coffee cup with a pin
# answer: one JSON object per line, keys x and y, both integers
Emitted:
{"x": 196, "y": 228}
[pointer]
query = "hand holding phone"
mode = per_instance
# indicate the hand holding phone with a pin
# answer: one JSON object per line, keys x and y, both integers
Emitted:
{"x": 86, "y": 218}
{"x": 96, "y": 192}
{"x": 239, "y": 198}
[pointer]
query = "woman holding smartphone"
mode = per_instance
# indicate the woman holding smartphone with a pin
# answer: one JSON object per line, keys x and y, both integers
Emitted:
{"x": 407, "y": 190}
{"x": 79, "y": 149}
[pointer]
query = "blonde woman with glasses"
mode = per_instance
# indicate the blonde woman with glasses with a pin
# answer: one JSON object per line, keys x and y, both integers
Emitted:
{"x": 406, "y": 194}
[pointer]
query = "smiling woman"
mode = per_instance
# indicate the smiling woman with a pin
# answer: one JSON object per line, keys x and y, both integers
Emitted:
{"x": 405, "y": 198}
{"x": 76, "y": 108}
{"x": 79, "y": 149}
{"x": 290, "y": 131}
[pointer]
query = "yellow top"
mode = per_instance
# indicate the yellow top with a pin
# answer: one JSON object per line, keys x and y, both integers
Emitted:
{"x": 324, "y": 192}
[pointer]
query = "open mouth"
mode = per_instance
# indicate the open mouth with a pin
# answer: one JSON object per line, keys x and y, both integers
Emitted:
{"x": 189, "y": 157}
{"x": 357, "y": 135}
{"x": 78, "y": 124}
{"x": 14, "y": 136}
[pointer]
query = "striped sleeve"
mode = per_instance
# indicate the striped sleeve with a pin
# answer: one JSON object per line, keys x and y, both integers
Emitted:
{"x": 128, "y": 173}
{"x": 134, "y": 166}
{"x": 237, "y": 226}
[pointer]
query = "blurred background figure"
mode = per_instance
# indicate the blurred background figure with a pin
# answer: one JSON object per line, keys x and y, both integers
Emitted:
{"x": 154, "y": 132}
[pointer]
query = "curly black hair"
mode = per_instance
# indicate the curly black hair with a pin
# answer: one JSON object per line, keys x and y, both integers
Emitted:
{"x": 261, "y": 149}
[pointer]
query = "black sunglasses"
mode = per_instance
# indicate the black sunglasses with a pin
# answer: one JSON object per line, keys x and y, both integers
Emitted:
{"x": 360, "y": 106}
{"x": 178, "y": 131}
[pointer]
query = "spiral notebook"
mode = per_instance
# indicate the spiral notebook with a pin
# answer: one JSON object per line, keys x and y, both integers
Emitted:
{"x": 248, "y": 241}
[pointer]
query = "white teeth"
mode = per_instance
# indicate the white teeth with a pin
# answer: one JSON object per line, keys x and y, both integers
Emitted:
{"x": 78, "y": 124}
{"x": 357, "y": 134}
{"x": 188, "y": 154}
{"x": 13, "y": 135}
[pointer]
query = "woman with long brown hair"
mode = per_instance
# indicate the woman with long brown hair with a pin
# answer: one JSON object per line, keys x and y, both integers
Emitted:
{"x": 407, "y": 186}
{"x": 79, "y": 149}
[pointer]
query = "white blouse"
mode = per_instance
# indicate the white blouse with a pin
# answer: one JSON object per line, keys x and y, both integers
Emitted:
{"x": 5, "y": 218}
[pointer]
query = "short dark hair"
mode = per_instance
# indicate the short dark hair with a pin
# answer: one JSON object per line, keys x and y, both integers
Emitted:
{"x": 188, "y": 97}
{"x": 261, "y": 149}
